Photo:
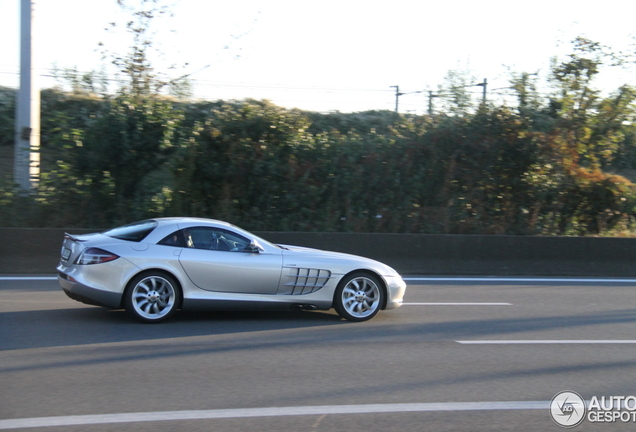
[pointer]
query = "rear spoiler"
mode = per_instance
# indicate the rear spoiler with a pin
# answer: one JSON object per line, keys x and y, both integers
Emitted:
{"x": 73, "y": 237}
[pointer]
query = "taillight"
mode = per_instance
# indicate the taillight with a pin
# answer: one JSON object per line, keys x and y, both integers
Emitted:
{"x": 95, "y": 256}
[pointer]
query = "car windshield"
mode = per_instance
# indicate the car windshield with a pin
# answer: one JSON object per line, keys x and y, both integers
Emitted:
{"x": 134, "y": 232}
{"x": 256, "y": 238}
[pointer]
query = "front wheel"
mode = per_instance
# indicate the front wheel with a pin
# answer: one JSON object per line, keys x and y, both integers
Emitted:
{"x": 359, "y": 297}
{"x": 152, "y": 297}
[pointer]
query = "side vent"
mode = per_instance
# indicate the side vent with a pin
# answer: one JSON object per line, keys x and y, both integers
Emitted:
{"x": 300, "y": 281}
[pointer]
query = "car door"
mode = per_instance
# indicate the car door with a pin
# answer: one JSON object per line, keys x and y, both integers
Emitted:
{"x": 215, "y": 260}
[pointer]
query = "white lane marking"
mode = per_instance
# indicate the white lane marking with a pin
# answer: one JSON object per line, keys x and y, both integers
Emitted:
{"x": 547, "y": 341}
{"x": 456, "y": 304}
{"x": 515, "y": 279}
{"x": 36, "y": 301}
{"x": 28, "y": 278}
{"x": 269, "y": 412}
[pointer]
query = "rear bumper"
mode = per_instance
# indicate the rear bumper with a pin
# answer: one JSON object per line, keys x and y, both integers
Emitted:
{"x": 88, "y": 295}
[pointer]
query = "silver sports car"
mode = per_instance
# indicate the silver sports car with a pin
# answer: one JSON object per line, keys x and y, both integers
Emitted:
{"x": 154, "y": 267}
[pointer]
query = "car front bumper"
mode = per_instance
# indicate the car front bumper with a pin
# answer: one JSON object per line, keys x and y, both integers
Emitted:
{"x": 396, "y": 287}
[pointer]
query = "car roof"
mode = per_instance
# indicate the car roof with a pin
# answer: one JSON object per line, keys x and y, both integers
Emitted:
{"x": 167, "y": 225}
{"x": 190, "y": 220}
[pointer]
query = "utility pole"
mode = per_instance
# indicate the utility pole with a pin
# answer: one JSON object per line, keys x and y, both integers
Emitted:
{"x": 398, "y": 94}
{"x": 430, "y": 102}
{"x": 484, "y": 85}
{"x": 26, "y": 168}
{"x": 397, "y": 97}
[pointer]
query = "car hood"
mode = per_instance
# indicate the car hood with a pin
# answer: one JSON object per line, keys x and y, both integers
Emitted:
{"x": 305, "y": 255}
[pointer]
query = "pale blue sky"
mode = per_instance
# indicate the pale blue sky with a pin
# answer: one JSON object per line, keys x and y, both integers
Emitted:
{"x": 329, "y": 55}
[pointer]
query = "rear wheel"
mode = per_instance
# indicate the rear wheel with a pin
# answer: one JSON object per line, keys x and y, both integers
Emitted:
{"x": 359, "y": 297}
{"x": 152, "y": 297}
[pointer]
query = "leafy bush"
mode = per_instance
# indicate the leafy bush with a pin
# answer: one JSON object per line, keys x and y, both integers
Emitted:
{"x": 547, "y": 167}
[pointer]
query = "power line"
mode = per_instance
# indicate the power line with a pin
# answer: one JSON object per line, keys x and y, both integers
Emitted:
{"x": 207, "y": 83}
{"x": 355, "y": 96}
{"x": 398, "y": 94}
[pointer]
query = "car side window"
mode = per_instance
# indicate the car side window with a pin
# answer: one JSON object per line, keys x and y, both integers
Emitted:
{"x": 215, "y": 239}
{"x": 176, "y": 239}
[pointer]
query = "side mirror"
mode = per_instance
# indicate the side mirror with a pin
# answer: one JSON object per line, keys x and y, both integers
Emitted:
{"x": 254, "y": 247}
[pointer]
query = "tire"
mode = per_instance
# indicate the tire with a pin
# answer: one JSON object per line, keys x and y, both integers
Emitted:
{"x": 359, "y": 297}
{"x": 152, "y": 297}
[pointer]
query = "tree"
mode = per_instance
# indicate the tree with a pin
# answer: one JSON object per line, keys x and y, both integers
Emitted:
{"x": 129, "y": 137}
{"x": 458, "y": 100}
{"x": 585, "y": 138}
{"x": 7, "y": 116}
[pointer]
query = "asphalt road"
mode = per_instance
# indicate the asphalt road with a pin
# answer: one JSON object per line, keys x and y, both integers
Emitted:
{"x": 459, "y": 356}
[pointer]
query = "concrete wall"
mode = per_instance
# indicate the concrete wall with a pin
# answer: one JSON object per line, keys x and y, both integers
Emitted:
{"x": 36, "y": 250}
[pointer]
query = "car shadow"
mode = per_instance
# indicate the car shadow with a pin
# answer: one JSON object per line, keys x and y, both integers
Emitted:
{"x": 95, "y": 325}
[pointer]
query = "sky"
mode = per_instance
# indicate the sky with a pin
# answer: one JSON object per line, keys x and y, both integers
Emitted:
{"x": 330, "y": 55}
